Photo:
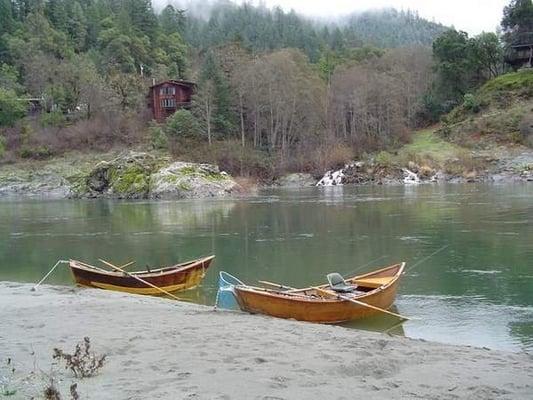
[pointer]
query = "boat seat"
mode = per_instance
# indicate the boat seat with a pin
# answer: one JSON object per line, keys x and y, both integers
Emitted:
{"x": 374, "y": 282}
{"x": 338, "y": 284}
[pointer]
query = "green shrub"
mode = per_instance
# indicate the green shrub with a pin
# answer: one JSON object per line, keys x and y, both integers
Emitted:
{"x": 158, "y": 137}
{"x": 471, "y": 103}
{"x": 384, "y": 159}
{"x": 37, "y": 152}
{"x": 516, "y": 138}
{"x": 11, "y": 108}
{"x": 182, "y": 125}
{"x": 2, "y": 146}
{"x": 53, "y": 118}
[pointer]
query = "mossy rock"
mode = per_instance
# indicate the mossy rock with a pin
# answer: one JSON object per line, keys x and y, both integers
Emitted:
{"x": 189, "y": 180}
{"x": 130, "y": 182}
{"x": 127, "y": 176}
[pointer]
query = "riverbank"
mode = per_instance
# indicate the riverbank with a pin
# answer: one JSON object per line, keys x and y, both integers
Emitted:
{"x": 161, "y": 349}
{"x": 155, "y": 175}
{"x": 118, "y": 174}
{"x": 431, "y": 159}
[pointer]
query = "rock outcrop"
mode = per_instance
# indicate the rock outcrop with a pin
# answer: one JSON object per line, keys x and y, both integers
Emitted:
{"x": 127, "y": 177}
{"x": 132, "y": 175}
{"x": 35, "y": 184}
{"x": 189, "y": 180}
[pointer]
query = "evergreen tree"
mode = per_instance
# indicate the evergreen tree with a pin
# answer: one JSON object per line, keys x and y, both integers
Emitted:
{"x": 7, "y": 22}
{"x": 172, "y": 20}
{"x": 211, "y": 75}
{"x": 57, "y": 13}
{"x": 517, "y": 20}
{"x": 77, "y": 26}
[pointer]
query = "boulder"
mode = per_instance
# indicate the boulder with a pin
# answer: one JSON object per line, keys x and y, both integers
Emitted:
{"x": 141, "y": 175}
{"x": 127, "y": 176}
{"x": 191, "y": 180}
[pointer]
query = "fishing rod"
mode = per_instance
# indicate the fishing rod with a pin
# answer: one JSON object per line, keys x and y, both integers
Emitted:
{"x": 366, "y": 265}
{"x": 427, "y": 258}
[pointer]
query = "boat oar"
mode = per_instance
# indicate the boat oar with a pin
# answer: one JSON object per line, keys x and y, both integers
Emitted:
{"x": 361, "y": 303}
{"x": 277, "y": 285}
{"x": 128, "y": 264}
{"x": 140, "y": 279}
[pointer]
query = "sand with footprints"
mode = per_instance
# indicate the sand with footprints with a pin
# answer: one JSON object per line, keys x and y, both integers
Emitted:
{"x": 161, "y": 349}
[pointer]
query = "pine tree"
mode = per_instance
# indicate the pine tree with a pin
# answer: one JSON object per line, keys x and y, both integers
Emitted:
{"x": 172, "y": 20}
{"x": 77, "y": 26}
{"x": 517, "y": 20}
{"x": 7, "y": 22}
{"x": 211, "y": 76}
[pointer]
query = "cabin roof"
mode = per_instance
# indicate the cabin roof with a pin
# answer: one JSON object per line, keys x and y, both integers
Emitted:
{"x": 175, "y": 82}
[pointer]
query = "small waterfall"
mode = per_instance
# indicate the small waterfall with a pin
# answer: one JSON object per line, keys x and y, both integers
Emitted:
{"x": 332, "y": 178}
{"x": 410, "y": 178}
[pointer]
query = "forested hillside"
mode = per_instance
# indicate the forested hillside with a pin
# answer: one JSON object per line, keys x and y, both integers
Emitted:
{"x": 275, "y": 91}
{"x": 260, "y": 29}
{"x": 392, "y": 28}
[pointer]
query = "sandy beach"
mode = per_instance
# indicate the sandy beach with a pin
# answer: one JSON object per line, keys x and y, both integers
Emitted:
{"x": 160, "y": 349}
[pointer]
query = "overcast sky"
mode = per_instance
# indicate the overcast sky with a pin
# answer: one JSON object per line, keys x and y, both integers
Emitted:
{"x": 473, "y": 16}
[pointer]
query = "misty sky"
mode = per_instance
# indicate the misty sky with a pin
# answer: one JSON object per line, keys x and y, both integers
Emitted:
{"x": 473, "y": 16}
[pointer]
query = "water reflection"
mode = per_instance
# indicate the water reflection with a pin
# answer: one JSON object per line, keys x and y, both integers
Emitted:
{"x": 469, "y": 292}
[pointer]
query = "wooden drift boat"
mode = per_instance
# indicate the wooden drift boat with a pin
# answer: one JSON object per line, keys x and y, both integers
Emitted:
{"x": 321, "y": 303}
{"x": 171, "y": 279}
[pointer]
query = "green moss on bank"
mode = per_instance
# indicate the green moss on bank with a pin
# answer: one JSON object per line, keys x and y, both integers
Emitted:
{"x": 496, "y": 114}
{"x": 198, "y": 171}
{"x": 132, "y": 180}
{"x": 518, "y": 83}
{"x": 427, "y": 153}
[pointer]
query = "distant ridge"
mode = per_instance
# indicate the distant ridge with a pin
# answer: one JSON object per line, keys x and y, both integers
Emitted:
{"x": 261, "y": 29}
{"x": 393, "y": 28}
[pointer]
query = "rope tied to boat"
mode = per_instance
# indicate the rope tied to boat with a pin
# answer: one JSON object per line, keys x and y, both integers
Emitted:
{"x": 48, "y": 273}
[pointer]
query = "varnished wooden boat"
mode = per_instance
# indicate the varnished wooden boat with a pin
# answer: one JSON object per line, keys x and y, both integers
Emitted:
{"x": 171, "y": 279}
{"x": 377, "y": 288}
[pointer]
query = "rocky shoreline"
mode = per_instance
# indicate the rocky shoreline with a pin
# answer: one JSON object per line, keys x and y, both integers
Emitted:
{"x": 143, "y": 175}
{"x": 129, "y": 175}
{"x": 507, "y": 167}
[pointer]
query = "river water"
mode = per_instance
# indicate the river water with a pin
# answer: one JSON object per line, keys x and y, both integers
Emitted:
{"x": 468, "y": 248}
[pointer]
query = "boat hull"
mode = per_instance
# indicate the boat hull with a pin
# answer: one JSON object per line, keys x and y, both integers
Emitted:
{"x": 172, "y": 279}
{"x": 320, "y": 310}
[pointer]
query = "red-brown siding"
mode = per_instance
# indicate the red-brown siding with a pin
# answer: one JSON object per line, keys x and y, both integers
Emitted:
{"x": 168, "y": 96}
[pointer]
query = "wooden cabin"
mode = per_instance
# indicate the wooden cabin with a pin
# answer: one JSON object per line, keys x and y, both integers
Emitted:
{"x": 519, "y": 54}
{"x": 166, "y": 97}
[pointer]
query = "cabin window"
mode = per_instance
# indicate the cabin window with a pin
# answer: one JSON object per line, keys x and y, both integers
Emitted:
{"x": 168, "y": 103}
{"x": 167, "y": 90}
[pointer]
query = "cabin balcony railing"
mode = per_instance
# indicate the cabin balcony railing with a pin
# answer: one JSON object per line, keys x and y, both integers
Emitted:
{"x": 183, "y": 104}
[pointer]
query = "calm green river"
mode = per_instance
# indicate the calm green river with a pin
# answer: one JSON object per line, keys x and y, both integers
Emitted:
{"x": 468, "y": 248}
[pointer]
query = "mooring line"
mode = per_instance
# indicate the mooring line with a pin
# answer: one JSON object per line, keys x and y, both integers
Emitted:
{"x": 49, "y": 272}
